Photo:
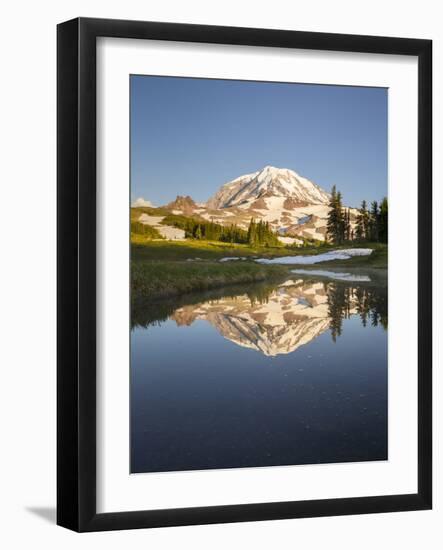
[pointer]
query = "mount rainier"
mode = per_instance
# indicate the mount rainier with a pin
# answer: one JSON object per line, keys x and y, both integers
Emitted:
{"x": 266, "y": 183}
{"x": 294, "y": 206}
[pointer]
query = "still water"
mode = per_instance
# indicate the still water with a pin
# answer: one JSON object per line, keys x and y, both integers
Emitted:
{"x": 262, "y": 375}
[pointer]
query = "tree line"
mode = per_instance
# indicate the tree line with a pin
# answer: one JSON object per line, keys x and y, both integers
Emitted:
{"x": 371, "y": 224}
{"x": 258, "y": 233}
{"x": 261, "y": 234}
{"x": 198, "y": 229}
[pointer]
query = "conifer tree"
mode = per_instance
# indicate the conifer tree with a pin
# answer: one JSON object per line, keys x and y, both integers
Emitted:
{"x": 341, "y": 219}
{"x": 347, "y": 225}
{"x": 252, "y": 232}
{"x": 383, "y": 221}
{"x": 331, "y": 223}
{"x": 336, "y": 226}
{"x": 374, "y": 222}
{"x": 362, "y": 229}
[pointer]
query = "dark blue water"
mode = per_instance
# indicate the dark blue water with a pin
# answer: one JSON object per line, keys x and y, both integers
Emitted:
{"x": 201, "y": 399}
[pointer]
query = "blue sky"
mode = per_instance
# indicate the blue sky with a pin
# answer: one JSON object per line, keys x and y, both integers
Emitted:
{"x": 189, "y": 136}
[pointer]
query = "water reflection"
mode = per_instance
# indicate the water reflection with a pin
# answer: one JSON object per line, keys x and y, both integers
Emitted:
{"x": 261, "y": 375}
{"x": 278, "y": 319}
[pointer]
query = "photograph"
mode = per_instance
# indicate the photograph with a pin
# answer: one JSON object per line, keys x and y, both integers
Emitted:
{"x": 234, "y": 275}
{"x": 259, "y": 262}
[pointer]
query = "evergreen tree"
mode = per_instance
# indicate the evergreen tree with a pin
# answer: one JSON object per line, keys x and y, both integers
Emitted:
{"x": 252, "y": 233}
{"x": 331, "y": 224}
{"x": 335, "y": 227}
{"x": 362, "y": 229}
{"x": 341, "y": 219}
{"x": 383, "y": 221}
{"x": 260, "y": 234}
{"x": 347, "y": 225}
{"x": 232, "y": 232}
{"x": 374, "y": 222}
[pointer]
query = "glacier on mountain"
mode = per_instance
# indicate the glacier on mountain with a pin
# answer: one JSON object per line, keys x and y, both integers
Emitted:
{"x": 271, "y": 182}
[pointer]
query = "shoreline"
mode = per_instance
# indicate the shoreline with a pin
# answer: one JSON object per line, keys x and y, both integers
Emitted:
{"x": 162, "y": 272}
{"x": 162, "y": 280}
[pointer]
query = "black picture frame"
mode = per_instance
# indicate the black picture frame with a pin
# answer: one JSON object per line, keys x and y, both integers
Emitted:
{"x": 76, "y": 265}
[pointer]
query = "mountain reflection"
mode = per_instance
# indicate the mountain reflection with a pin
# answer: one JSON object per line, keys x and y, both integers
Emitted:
{"x": 279, "y": 319}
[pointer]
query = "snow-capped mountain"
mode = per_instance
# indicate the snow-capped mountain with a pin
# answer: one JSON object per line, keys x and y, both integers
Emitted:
{"x": 294, "y": 206}
{"x": 268, "y": 182}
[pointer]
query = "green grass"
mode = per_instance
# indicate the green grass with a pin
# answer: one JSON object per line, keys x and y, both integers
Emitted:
{"x": 191, "y": 249}
{"x": 141, "y": 233}
{"x": 168, "y": 268}
{"x": 215, "y": 250}
{"x": 167, "y": 278}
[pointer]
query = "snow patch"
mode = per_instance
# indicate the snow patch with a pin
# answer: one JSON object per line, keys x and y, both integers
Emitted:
{"x": 345, "y": 254}
{"x": 275, "y": 203}
{"x": 289, "y": 240}
{"x": 150, "y": 220}
{"x": 231, "y": 259}
{"x": 171, "y": 233}
{"x": 167, "y": 231}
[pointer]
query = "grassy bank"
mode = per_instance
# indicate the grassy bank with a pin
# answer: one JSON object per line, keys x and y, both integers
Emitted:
{"x": 167, "y": 268}
{"x": 192, "y": 249}
{"x": 167, "y": 278}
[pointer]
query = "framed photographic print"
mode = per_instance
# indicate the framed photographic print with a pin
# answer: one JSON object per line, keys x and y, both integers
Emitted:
{"x": 244, "y": 274}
